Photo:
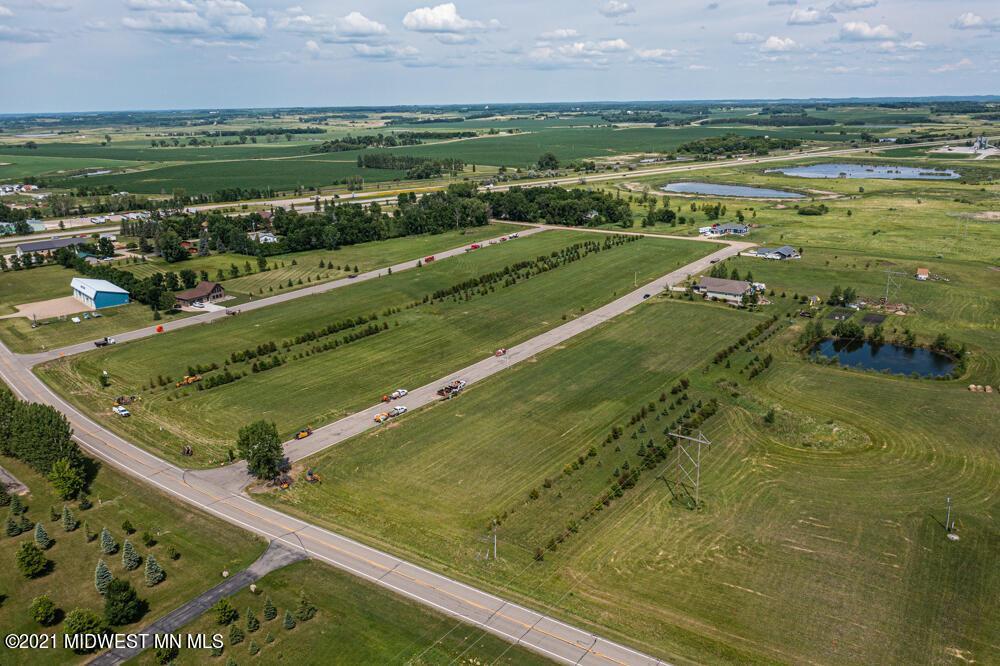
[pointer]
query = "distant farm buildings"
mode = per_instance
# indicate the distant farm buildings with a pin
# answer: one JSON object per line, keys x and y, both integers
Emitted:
{"x": 777, "y": 254}
{"x": 97, "y": 294}
{"x": 727, "y": 229}
{"x": 49, "y": 246}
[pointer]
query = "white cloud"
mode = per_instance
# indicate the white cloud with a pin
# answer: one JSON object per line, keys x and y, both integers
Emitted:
{"x": 357, "y": 24}
{"x": 616, "y": 8}
{"x": 840, "y": 69}
{"x": 444, "y": 19}
{"x": 559, "y": 34}
{"x": 22, "y": 35}
{"x": 385, "y": 52}
{"x": 661, "y": 56}
{"x": 355, "y": 27}
{"x": 810, "y": 16}
{"x": 50, "y": 5}
{"x": 893, "y": 47}
{"x": 851, "y": 5}
{"x": 747, "y": 38}
{"x": 970, "y": 21}
{"x": 775, "y": 44}
{"x": 964, "y": 63}
{"x": 860, "y": 31}
{"x": 698, "y": 68}
{"x": 5, "y": 12}
{"x": 227, "y": 19}
{"x": 772, "y": 3}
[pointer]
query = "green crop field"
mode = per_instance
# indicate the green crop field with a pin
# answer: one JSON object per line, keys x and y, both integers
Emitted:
{"x": 421, "y": 343}
{"x": 206, "y": 547}
{"x": 355, "y": 623}
{"x": 14, "y": 167}
{"x": 819, "y": 538}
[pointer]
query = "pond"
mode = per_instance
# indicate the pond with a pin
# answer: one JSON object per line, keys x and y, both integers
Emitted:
{"x": 866, "y": 171}
{"x": 729, "y": 190}
{"x": 894, "y": 358}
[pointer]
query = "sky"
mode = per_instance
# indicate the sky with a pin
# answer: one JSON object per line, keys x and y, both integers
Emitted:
{"x": 85, "y": 55}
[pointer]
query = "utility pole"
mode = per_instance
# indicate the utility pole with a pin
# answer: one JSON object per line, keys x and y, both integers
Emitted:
{"x": 947, "y": 521}
{"x": 689, "y": 466}
{"x": 494, "y": 539}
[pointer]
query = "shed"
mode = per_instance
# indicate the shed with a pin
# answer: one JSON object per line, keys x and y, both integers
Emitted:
{"x": 48, "y": 246}
{"x": 923, "y": 274}
{"x": 98, "y": 294}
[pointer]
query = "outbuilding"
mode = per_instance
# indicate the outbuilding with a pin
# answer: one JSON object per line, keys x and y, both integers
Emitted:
{"x": 923, "y": 274}
{"x": 98, "y": 294}
{"x": 49, "y": 246}
{"x": 203, "y": 292}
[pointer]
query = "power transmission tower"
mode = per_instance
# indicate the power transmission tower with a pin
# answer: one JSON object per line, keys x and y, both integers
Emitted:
{"x": 892, "y": 285}
{"x": 689, "y": 461}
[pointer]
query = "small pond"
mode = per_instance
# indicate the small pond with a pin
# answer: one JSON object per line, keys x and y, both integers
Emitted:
{"x": 894, "y": 358}
{"x": 730, "y": 190}
{"x": 866, "y": 171}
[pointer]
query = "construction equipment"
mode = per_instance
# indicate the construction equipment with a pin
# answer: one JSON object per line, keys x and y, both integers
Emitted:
{"x": 381, "y": 417}
{"x": 188, "y": 380}
{"x": 305, "y": 432}
{"x": 312, "y": 477}
{"x": 125, "y": 400}
{"x": 187, "y": 451}
{"x": 105, "y": 341}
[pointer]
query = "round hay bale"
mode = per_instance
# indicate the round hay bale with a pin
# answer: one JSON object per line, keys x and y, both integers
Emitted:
{"x": 972, "y": 387}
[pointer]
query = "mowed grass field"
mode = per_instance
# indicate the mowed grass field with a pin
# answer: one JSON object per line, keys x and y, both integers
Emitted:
{"x": 35, "y": 284}
{"x": 421, "y": 343}
{"x": 820, "y": 538}
{"x": 207, "y": 547}
{"x": 355, "y": 623}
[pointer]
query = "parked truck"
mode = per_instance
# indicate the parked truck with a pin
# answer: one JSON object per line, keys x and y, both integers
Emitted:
{"x": 451, "y": 388}
{"x": 105, "y": 341}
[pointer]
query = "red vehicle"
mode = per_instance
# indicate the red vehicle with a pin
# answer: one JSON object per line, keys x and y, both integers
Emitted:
{"x": 500, "y": 352}
{"x": 475, "y": 246}
{"x": 429, "y": 259}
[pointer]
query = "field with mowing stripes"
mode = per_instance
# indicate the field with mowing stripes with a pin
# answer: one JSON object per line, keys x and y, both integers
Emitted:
{"x": 820, "y": 535}
{"x": 315, "y": 386}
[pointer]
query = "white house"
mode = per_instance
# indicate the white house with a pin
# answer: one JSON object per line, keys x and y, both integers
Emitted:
{"x": 262, "y": 236}
{"x": 778, "y": 254}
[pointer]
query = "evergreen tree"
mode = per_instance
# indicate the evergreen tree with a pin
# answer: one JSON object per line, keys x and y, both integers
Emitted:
{"x": 268, "y": 638}
{"x": 43, "y": 611}
{"x": 130, "y": 558}
{"x": 122, "y": 604}
{"x": 154, "y": 572}
{"x": 289, "y": 621}
{"x": 4, "y": 496}
{"x": 253, "y": 624}
{"x": 68, "y": 520}
{"x": 304, "y": 610}
{"x": 26, "y": 524}
{"x": 11, "y": 529}
{"x": 253, "y": 648}
{"x": 236, "y": 635}
{"x": 102, "y": 577}
{"x": 42, "y": 539}
{"x": 270, "y": 612}
{"x": 108, "y": 544}
{"x": 16, "y": 506}
{"x": 224, "y": 612}
{"x": 53, "y": 514}
{"x": 87, "y": 533}
{"x": 30, "y": 560}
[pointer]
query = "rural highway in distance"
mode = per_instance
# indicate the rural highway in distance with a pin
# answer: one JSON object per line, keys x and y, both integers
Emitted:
{"x": 217, "y": 492}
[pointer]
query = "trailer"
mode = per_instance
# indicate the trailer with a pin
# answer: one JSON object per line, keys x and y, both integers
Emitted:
{"x": 104, "y": 342}
{"x": 451, "y": 388}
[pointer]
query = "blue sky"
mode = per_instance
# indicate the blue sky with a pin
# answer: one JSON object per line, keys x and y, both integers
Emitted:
{"x": 69, "y": 55}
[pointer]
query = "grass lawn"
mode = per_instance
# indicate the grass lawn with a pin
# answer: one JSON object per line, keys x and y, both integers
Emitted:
{"x": 421, "y": 344}
{"x": 34, "y": 284}
{"x": 366, "y": 256}
{"x": 819, "y": 538}
{"x": 206, "y": 546}
{"x": 355, "y": 623}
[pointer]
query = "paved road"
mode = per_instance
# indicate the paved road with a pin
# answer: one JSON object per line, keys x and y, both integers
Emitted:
{"x": 203, "y": 490}
{"x": 276, "y": 556}
{"x": 210, "y": 316}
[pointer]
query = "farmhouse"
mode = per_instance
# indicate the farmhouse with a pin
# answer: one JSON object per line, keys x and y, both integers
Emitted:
{"x": 733, "y": 228}
{"x": 262, "y": 236}
{"x": 778, "y": 254}
{"x": 203, "y": 292}
{"x": 98, "y": 294}
{"x": 923, "y": 274}
{"x": 49, "y": 246}
{"x": 730, "y": 291}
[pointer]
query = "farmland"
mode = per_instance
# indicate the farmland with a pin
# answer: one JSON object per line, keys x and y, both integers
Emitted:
{"x": 833, "y": 499}
{"x": 424, "y": 338}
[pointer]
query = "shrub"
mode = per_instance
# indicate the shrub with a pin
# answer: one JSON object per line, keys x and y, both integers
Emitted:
{"x": 224, "y": 612}
{"x": 83, "y": 621}
{"x": 30, "y": 560}
{"x": 43, "y": 611}
{"x": 122, "y": 604}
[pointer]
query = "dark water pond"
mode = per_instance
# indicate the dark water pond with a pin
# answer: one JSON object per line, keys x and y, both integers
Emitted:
{"x": 894, "y": 358}
{"x": 866, "y": 171}
{"x": 729, "y": 190}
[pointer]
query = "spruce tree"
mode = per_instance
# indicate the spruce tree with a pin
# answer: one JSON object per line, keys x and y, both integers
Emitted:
{"x": 268, "y": 638}
{"x": 87, "y": 533}
{"x": 270, "y": 612}
{"x": 25, "y": 523}
{"x": 11, "y": 529}
{"x": 108, "y": 544}
{"x": 68, "y": 520}
{"x": 130, "y": 558}
{"x": 253, "y": 648}
{"x": 53, "y": 514}
{"x": 231, "y": 662}
{"x": 236, "y": 634}
{"x": 4, "y": 495}
{"x": 42, "y": 537}
{"x": 304, "y": 611}
{"x": 253, "y": 624}
{"x": 102, "y": 577}
{"x": 16, "y": 506}
{"x": 154, "y": 572}
{"x": 289, "y": 621}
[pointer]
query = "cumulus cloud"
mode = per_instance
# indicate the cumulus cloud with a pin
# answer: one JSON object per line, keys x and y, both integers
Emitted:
{"x": 810, "y": 16}
{"x": 23, "y": 35}
{"x": 616, "y": 8}
{"x": 851, "y": 5}
{"x": 970, "y": 21}
{"x": 964, "y": 63}
{"x": 775, "y": 44}
{"x": 385, "y": 52}
{"x": 354, "y": 27}
{"x": 657, "y": 56}
{"x": 559, "y": 34}
{"x": 444, "y": 19}
{"x": 227, "y": 19}
{"x": 860, "y": 31}
{"x": 5, "y": 12}
{"x": 747, "y": 38}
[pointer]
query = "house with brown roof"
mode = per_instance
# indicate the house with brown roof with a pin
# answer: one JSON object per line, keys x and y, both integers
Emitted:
{"x": 203, "y": 292}
{"x": 719, "y": 289}
{"x": 923, "y": 274}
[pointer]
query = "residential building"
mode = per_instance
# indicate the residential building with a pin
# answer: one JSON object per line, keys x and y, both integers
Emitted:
{"x": 923, "y": 274}
{"x": 262, "y": 236}
{"x": 98, "y": 294}
{"x": 720, "y": 289}
{"x": 203, "y": 292}
{"x": 779, "y": 254}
